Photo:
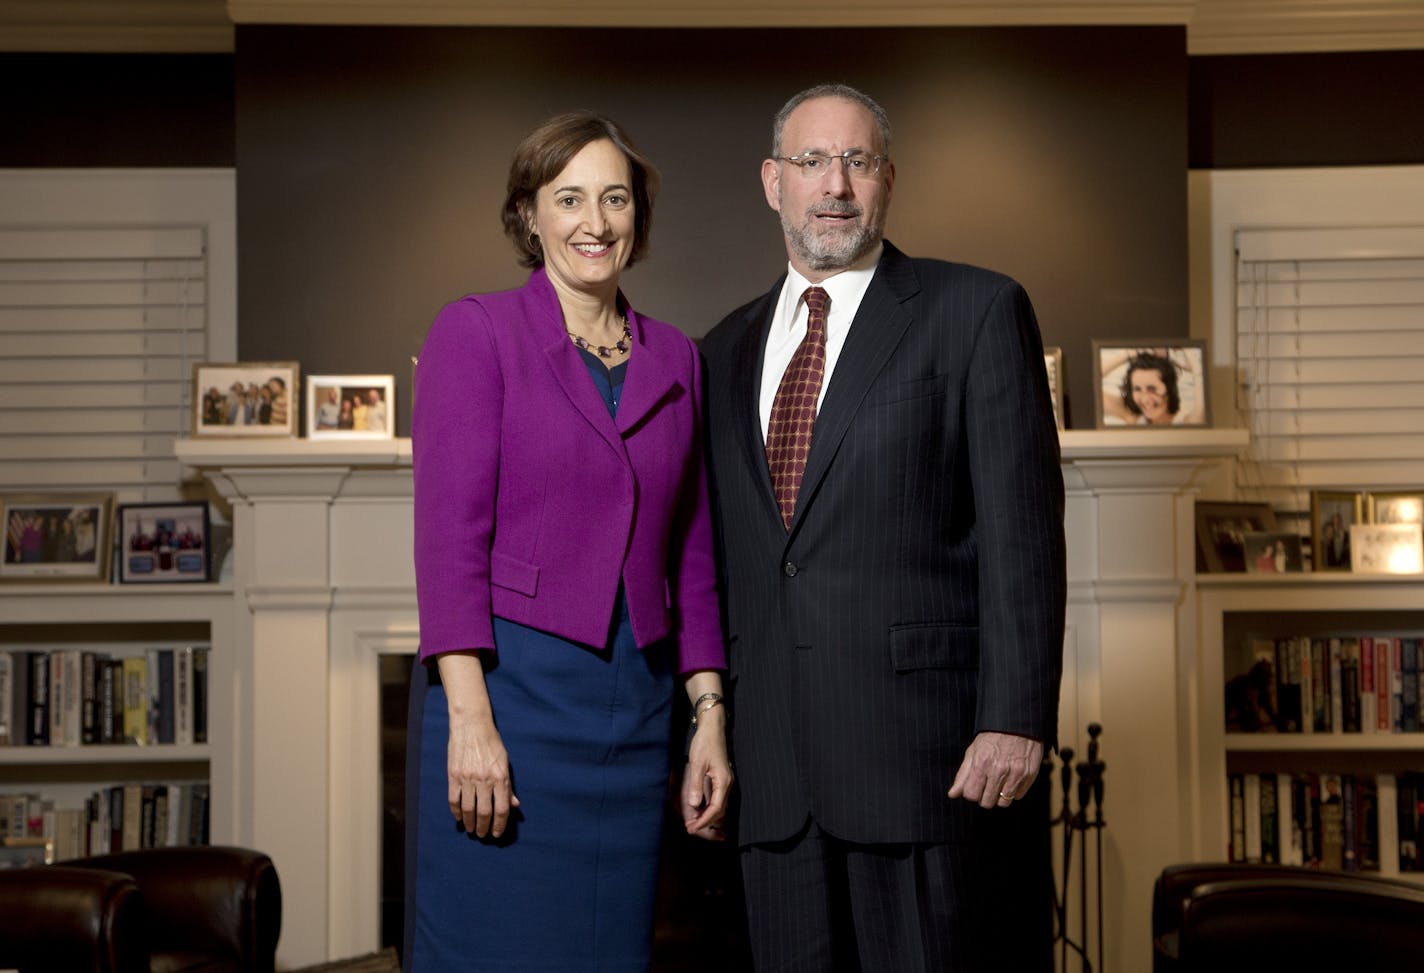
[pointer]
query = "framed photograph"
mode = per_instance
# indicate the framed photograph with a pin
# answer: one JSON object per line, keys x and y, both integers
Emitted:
{"x": 1387, "y": 548}
{"x": 1053, "y": 362}
{"x": 1222, "y": 530}
{"x": 351, "y": 406}
{"x": 1155, "y": 386}
{"x": 245, "y": 399}
{"x": 1271, "y": 552}
{"x": 163, "y": 542}
{"x": 1332, "y": 513}
{"x": 26, "y": 852}
{"x": 1397, "y": 508}
{"x": 56, "y": 537}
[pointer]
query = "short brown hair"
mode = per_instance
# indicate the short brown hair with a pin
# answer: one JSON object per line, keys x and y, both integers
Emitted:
{"x": 544, "y": 153}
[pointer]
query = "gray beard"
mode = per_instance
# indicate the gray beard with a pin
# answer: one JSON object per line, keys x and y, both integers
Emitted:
{"x": 829, "y": 252}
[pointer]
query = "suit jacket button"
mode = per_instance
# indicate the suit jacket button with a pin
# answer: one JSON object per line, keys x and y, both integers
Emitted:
{"x": 789, "y": 569}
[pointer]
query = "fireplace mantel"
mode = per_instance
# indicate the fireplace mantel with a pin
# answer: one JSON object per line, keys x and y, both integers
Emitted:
{"x": 323, "y": 586}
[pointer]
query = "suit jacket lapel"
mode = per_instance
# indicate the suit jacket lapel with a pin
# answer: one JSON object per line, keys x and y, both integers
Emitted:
{"x": 567, "y": 364}
{"x": 747, "y": 355}
{"x": 879, "y": 324}
{"x": 648, "y": 381}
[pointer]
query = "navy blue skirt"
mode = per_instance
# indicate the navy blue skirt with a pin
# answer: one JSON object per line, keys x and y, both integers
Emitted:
{"x": 571, "y": 885}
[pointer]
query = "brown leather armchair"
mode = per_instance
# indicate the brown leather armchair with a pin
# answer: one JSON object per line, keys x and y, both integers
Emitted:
{"x": 159, "y": 910}
{"x": 1223, "y": 917}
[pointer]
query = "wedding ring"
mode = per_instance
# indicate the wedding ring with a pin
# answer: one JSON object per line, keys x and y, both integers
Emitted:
{"x": 1006, "y": 797}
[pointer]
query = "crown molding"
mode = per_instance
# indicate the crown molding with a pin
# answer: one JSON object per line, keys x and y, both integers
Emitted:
{"x": 1301, "y": 26}
{"x": 1213, "y": 26}
{"x": 115, "y": 26}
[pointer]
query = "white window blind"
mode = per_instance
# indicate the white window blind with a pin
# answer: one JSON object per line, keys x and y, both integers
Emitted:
{"x": 99, "y": 328}
{"x": 1330, "y": 356}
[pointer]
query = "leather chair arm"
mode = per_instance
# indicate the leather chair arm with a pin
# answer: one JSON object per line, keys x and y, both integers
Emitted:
{"x": 56, "y": 917}
{"x": 205, "y": 902}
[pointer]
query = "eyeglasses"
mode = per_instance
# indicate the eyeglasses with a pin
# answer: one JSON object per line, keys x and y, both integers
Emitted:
{"x": 857, "y": 164}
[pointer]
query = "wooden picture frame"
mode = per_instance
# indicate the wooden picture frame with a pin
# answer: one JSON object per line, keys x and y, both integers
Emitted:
{"x": 1332, "y": 513}
{"x": 1396, "y": 507}
{"x": 1053, "y": 363}
{"x": 351, "y": 406}
{"x": 163, "y": 543}
{"x": 56, "y": 536}
{"x": 1151, "y": 386}
{"x": 1272, "y": 552}
{"x": 245, "y": 399}
{"x": 25, "y": 852}
{"x": 1221, "y": 529}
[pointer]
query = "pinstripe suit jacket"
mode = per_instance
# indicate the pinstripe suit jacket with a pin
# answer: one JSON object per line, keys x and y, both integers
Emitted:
{"x": 918, "y": 597}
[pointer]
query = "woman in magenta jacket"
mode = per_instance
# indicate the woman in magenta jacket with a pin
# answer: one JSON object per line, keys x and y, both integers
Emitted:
{"x": 564, "y": 571}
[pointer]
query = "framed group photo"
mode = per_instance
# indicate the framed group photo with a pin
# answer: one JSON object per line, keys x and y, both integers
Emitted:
{"x": 1271, "y": 552}
{"x": 245, "y": 399}
{"x": 163, "y": 542}
{"x": 1332, "y": 514}
{"x": 351, "y": 406}
{"x": 1389, "y": 548}
{"x": 61, "y": 536}
{"x": 1150, "y": 386}
{"x": 1222, "y": 530}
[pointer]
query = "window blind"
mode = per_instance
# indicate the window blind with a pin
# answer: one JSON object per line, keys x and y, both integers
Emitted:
{"x": 99, "y": 329}
{"x": 1330, "y": 359}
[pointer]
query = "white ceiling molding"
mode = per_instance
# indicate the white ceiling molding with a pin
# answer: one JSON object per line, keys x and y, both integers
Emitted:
{"x": 1213, "y": 26}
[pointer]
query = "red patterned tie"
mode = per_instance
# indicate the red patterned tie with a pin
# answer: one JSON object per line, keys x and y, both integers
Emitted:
{"x": 793, "y": 411}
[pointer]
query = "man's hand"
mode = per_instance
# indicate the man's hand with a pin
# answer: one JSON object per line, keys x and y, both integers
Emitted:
{"x": 998, "y": 768}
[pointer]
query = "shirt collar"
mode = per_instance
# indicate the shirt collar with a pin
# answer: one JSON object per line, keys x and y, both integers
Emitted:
{"x": 846, "y": 287}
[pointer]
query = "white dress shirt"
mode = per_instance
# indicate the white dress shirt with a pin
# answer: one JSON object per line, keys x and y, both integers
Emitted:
{"x": 788, "y": 325}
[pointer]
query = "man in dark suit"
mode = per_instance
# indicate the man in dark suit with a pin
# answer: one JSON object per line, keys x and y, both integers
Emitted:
{"x": 895, "y": 589}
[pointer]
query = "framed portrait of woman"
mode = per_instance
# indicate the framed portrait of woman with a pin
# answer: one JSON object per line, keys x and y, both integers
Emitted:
{"x": 1150, "y": 385}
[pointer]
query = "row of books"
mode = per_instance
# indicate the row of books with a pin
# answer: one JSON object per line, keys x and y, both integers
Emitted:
{"x": 1328, "y": 820}
{"x": 121, "y": 817}
{"x": 1318, "y": 684}
{"x": 70, "y": 697}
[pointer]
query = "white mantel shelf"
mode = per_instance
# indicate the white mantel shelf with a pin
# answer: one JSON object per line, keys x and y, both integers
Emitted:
{"x": 324, "y": 585}
{"x": 1076, "y": 444}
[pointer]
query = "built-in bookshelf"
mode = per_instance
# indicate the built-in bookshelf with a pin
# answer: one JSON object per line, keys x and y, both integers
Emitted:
{"x": 1308, "y": 691}
{"x": 117, "y": 721}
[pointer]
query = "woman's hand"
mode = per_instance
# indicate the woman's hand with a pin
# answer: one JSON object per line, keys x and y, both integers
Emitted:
{"x": 707, "y": 779}
{"x": 481, "y": 792}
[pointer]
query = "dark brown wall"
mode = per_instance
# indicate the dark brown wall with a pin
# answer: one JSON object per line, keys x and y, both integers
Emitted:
{"x": 116, "y": 110}
{"x": 1342, "y": 109}
{"x": 371, "y": 164}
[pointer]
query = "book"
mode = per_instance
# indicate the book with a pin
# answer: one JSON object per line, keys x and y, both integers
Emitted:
{"x": 200, "y": 694}
{"x": 1332, "y": 823}
{"x": 1302, "y": 657}
{"x": 1320, "y": 683}
{"x": 1368, "y": 697}
{"x": 1396, "y": 685}
{"x": 1350, "y": 684}
{"x": 1384, "y": 679}
{"x": 1306, "y": 794}
{"x": 1288, "y": 690}
{"x": 1251, "y": 803}
{"x": 1407, "y": 796}
{"x": 1409, "y": 684}
{"x": 1366, "y": 822}
{"x": 183, "y": 695}
{"x": 135, "y": 696}
{"x": 1289, "y": 823}
{"x": 19, "y": 698}
{"x": 164, "y": 724}
{"x": 38, "y": 705}
{"x": 132, "y": 818}
{"x": 7, "y": 693}
{"x": 89, "y": 697}
{"x": 1270, "y": 820}
{"x": 1349, "y": 825}
{"x": 64, "y": 698}
{"x": 1335, "y": 659}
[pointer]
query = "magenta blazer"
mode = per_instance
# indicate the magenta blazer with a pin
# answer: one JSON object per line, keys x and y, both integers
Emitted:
{"x": 532, "y": 503}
